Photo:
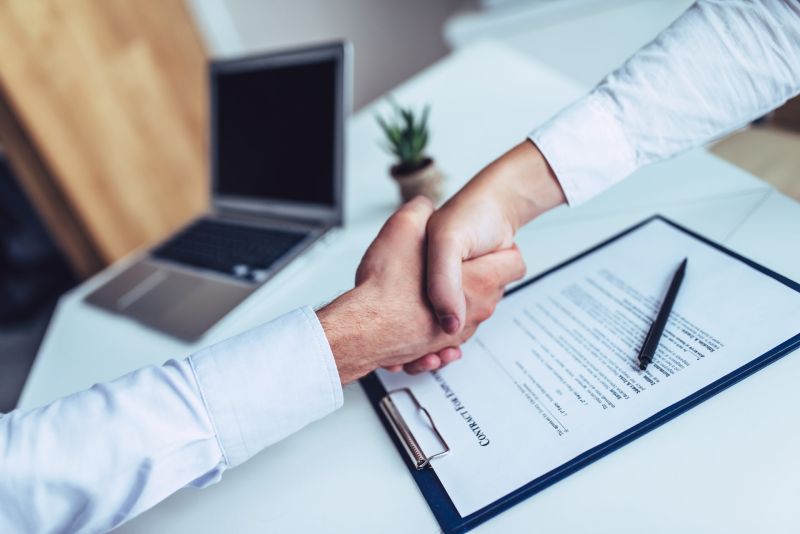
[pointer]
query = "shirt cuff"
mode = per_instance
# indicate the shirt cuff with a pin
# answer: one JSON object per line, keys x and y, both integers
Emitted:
{"x": 267, "y": 383}
{"x": 586, "y": 147}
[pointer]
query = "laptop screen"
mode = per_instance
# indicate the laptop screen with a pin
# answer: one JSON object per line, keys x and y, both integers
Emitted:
{"x": 275, "y": 129}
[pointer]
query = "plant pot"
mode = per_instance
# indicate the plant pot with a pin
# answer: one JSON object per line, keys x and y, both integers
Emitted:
{"x": 426, "y": 180}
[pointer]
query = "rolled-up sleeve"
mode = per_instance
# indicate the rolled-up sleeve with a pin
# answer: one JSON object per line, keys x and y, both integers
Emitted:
{"x": 720, "y": 65}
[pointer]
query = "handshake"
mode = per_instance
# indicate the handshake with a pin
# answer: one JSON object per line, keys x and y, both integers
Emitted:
{"x": 423, "y": 287}
{"x": 430, "y": 278}
{"x": 388, "y": 320}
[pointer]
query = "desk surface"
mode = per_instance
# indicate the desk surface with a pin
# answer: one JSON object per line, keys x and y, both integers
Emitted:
{"x": 581, "y": 39}
{"x": 343, "y": 474}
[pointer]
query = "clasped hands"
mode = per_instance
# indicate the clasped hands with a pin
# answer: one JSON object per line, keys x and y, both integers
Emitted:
{"x": 387, "y": 319}
{"x": 430, "y": 278}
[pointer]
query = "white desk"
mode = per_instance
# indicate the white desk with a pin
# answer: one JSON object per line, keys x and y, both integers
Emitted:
{"x": 729, "y": 465}
{"x": 581, "y": 39}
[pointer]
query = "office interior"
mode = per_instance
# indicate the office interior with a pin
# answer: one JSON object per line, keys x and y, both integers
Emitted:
{"x": 104, "y": 109}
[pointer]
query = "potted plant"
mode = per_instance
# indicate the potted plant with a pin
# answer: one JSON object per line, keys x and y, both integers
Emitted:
{"x": 406, "y": 138}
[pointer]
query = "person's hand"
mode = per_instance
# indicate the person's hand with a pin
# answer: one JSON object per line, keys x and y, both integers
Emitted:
{"x": 386, "y": 320}
{"x": 483, "y": 218}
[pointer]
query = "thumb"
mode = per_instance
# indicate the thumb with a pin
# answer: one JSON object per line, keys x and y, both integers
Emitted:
{"x": 445, "y": 254}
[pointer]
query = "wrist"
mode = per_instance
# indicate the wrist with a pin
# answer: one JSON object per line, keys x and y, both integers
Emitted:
{"x": 526, "y": 184}
{"x": 345, "y": 322}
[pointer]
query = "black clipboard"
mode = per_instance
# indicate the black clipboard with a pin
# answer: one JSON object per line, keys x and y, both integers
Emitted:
{"x": 433, "y": 490}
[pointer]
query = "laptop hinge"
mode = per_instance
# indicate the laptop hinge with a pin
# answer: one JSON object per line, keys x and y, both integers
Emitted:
{"x": 270, "y": 220}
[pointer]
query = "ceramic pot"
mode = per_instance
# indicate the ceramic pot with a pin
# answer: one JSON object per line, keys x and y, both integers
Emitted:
{"x": 427, "y": 180}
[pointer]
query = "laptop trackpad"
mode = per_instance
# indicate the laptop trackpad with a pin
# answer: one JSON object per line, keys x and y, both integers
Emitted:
{"x": 183, "y": 304}
{"x": 157, "y": 293}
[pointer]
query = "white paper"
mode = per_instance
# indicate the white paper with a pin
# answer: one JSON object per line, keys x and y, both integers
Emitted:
{"x": 553, "y": 373}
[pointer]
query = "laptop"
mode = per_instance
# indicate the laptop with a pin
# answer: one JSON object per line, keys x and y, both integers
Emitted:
{"x": 276, "y": 145}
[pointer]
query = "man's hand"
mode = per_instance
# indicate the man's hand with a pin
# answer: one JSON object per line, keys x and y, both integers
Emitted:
{"x": 482, "y": 218}
{"x": 387, "y": 321}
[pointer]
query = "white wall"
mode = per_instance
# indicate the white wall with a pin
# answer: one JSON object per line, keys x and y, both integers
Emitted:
{"x": 392, "y": 39}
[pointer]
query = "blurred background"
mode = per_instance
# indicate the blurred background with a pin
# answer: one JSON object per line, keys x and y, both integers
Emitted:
{"x": 103, "y": 113}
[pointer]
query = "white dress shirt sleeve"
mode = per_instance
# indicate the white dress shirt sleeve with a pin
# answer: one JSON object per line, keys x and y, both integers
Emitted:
{"x": 92, "y": 460}
{"x": 720, "y": 65}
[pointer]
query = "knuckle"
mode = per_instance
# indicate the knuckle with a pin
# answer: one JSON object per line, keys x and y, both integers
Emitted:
{"x": 480, "y": 310}
{"x": 519, "y": 268}
{"x": 419, "y": 209}
{"x": 485, "y": 279}
{"x": 402, "y": 218}
{"x": 390, "y": 227}
{"x": 522, "y": 267}
{"x": 404, "y": 223}
{"x": 422, "y": 203}
{"x": 486, "y": 311}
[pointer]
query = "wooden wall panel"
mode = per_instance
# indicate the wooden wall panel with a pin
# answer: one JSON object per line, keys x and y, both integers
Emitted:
{"x": 112, "y": 94}
{"x": 37, "y": 181}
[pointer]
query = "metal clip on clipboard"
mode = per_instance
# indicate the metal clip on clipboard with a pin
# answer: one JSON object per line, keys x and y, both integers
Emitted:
{"x": 403, "y": 432}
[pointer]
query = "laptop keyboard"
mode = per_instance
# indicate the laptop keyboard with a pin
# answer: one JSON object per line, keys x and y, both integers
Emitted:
{"x": 244, "y": 252}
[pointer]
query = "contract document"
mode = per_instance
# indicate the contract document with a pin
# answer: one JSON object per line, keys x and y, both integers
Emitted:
{"x": 552, "y": 378}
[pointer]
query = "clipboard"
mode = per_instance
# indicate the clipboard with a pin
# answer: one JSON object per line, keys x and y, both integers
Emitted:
{"x": 420, "y": 461}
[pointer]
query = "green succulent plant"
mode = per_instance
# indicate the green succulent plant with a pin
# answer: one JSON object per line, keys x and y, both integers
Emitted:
{"x": 406, "y": 136}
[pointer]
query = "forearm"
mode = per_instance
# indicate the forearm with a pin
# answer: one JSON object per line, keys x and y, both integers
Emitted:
{"x": 719, "y": 66}
{"x": 91, "y": 460}
{"x": 95, "y": 459}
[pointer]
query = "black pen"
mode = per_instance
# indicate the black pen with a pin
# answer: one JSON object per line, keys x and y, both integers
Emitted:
{"x": 657, "y": 328}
